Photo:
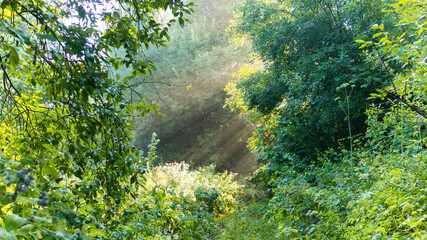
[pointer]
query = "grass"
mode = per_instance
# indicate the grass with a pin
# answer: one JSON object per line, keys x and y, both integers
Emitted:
{"x": 248, "y": 222}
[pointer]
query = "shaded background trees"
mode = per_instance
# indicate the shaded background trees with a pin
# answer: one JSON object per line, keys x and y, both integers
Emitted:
{"x": 189, "y": 88}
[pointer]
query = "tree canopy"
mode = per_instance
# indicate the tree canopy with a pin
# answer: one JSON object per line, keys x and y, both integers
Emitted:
{"x": 328, "y": 70}
{"x": 65, "y": 136}
{"x": 311, "y": 67}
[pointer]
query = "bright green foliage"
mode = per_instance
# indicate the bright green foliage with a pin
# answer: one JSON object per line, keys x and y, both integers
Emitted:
{"x": 248, "y": 222}
{"x": 307, "y": 207}
{"x": 401, "y": 50}
{"x": 67, "y": 166}
{"x": 176, "y": 203}
{"x": 309, "y": 54}
{"x": 394, "y": 162}
{"x": 68, "y": 169}
{"x": 396, "y": 204}
{"x": 386, "y": 200}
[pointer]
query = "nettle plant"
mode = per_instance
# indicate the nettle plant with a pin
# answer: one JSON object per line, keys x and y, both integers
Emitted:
{"x": 67, "y": 165}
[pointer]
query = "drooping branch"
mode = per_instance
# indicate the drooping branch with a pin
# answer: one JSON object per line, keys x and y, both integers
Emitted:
{"x": 401, "y": 98}
{"x": 414, "y": 108}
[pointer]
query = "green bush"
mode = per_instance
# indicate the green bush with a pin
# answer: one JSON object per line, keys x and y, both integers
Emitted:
{"x": 178, "y": 203}
{"x": 382, "y": 197}
{"x": 307, "y": 209}
{"x": 395, "y": 206}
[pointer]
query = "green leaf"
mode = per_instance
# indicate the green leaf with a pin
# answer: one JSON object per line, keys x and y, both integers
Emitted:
{"x": 377, "y": 35}
{"x": 21, "y": 35}
{"x": 14, "y": 57}
{"x": 47, "y": 36}
{"x": 25, "y": 230}
{"x": 4, "y": 199}
{"x": 3, "y": 234}
{"x": 50, "y": 170}
{"x": 13, "y": 222}
{"x": 98, "y": 232}
{"x": 40, "y": 219}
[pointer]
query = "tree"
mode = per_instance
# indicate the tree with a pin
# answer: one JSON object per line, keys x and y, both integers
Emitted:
{"x": 309, "y": 57}
{"x": 67, "y": 162}
{"x": 189, "y": 87}
{"x": 399, "y": 49}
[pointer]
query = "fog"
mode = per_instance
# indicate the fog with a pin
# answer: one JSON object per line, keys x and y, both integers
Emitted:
{"x": 189, "y": 86}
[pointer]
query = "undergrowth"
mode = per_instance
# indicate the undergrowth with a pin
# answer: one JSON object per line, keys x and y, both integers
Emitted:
{"x": 387, "y": 200}
{"x": 248, "y": 222}
{"x": 179, "y": 203}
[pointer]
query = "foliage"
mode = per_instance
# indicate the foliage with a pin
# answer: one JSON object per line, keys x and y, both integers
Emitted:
{"x": 188, "y": 86}
{"x": 176, "y": 203}
{"x": 395, "y": 206}
{"x": 402, "y": 54}
{"x": 197, "y": 58}
{"x": 383, "y": 195}
{"x": 248, "y": 222}
{"x": 309, "y": 54}
{"x": 386, "y": 200}
{"x": 303, "y": 209}
{"x": 67, "y": 165}
{"x": 68, "y": 169}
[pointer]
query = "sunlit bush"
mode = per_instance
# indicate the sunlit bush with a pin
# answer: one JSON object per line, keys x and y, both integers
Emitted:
{"x": 179, "y": 203}
{"x": 201, "y": 185}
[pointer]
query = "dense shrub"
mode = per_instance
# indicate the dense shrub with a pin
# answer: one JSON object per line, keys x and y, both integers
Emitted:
{"x": 178, "y": 203}
{"x": 384, "y": 196}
